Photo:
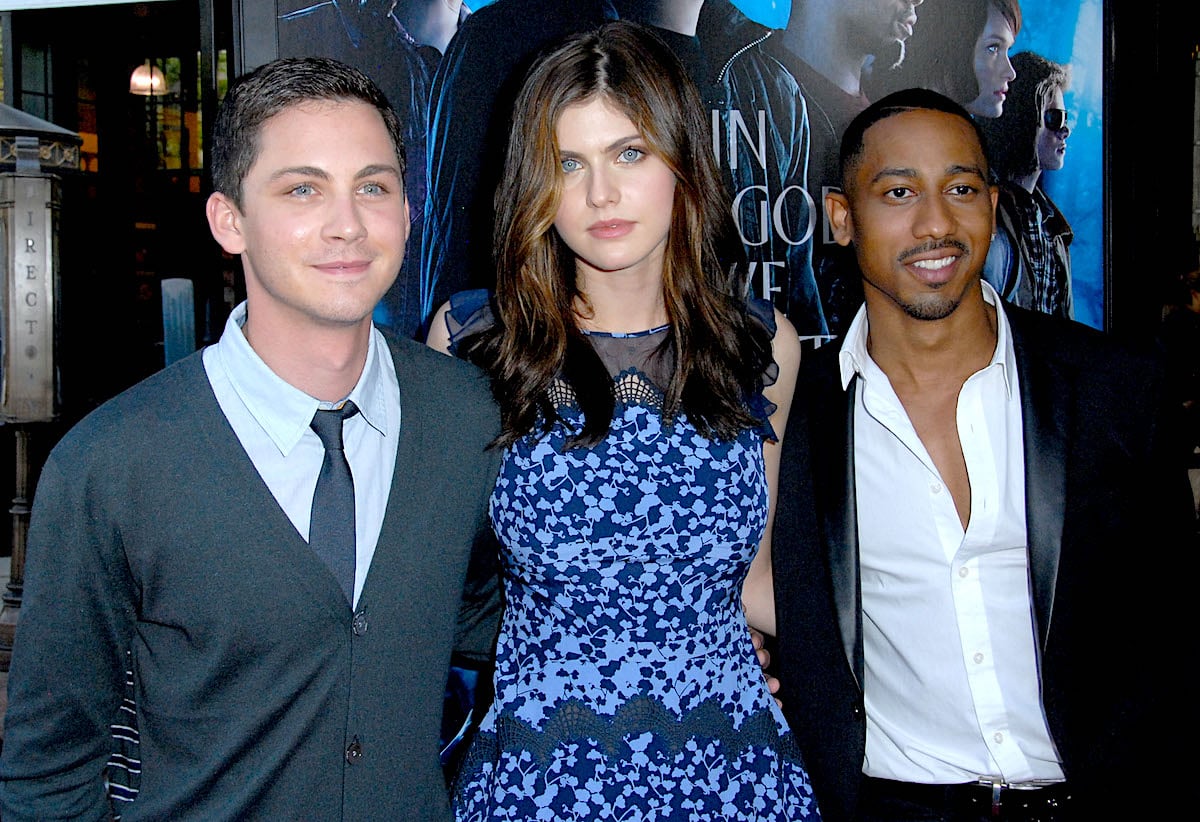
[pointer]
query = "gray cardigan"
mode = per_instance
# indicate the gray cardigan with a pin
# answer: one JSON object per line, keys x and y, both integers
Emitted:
{"x": 260, "y": 695}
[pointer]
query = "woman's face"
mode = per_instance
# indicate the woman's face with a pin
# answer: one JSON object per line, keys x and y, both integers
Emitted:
{"x": 617, "y": 196}
{"x": 1052, "y": 142}
{"x": 993, "y": 71}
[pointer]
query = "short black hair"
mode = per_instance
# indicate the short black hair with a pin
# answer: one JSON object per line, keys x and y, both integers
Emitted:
{"x": 271, "y": 88}
{"x": 898, "y": 102}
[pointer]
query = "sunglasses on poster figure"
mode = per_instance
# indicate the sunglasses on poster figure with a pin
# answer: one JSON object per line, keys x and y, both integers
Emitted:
{"x": 1055, "y": 119}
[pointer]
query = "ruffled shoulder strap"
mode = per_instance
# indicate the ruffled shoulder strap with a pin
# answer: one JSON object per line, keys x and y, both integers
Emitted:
{"x": 470, "y": 313}
{"x": 763, "y": 312}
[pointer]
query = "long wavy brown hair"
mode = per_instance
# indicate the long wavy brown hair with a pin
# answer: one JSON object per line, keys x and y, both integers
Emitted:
{"x": 720, "y": 353}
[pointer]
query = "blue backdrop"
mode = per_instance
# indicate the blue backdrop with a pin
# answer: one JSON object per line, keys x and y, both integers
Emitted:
{"x": 1071, "y": 32}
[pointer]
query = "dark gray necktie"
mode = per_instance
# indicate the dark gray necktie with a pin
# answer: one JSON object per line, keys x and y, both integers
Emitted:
{"x": 331, "y": 528}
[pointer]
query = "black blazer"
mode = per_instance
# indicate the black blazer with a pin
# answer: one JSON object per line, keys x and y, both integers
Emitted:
{"x": 1111, "y": 536}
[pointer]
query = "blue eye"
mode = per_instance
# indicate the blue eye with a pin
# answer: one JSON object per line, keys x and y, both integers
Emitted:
{"x": 631, "y": 155}
{"x": 302, "y": 190}
{"x": 570, "y": 164}
{"x": 372, "y": 188}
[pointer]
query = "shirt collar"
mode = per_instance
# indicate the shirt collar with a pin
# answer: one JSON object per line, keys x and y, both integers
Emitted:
{"x": 284, "y": 411}
{"x": 853, "y": 356}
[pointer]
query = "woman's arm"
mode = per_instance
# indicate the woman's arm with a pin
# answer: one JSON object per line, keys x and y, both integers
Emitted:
{"x": 758, "y": 595}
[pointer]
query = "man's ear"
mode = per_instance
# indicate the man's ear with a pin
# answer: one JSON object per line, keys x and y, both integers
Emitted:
{"x": 837, "y": 209}
{"x": 225, "y": 222}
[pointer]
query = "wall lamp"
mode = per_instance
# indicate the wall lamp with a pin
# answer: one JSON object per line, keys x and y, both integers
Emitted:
{"x": 147, "y": 80}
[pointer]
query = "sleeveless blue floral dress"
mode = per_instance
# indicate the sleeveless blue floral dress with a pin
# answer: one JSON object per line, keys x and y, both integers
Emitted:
{"x": 626, "y": 684}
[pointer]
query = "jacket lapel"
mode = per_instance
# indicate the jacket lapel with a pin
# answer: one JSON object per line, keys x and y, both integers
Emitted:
{"x": 833, "y": 447}
{"x": 1045, "y": 403}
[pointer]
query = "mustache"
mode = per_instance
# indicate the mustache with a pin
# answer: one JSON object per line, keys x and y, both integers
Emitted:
{"x": 933, "y": 245}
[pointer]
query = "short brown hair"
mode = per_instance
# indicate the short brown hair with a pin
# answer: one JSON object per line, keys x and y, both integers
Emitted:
{"x": 259, "y": 95}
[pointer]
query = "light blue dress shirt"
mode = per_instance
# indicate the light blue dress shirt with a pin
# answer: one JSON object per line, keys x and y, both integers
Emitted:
{"x": 271, "y": 419}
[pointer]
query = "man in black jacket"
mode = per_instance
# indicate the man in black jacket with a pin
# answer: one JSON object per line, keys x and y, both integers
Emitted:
{"x": 981, "y": 529}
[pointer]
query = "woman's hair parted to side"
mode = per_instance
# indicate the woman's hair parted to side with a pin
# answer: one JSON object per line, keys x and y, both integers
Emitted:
{"x": 941, "y": 53}
{"x": 720, "y": 353}
{"x": 1012, "y": 137}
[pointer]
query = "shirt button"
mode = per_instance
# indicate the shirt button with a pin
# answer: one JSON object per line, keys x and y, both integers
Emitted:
{"x": 978, "y": 658}
{"x": 999, "y": 737}
{"x": 359, "y": 625}
{"x": 935, "y": 488}
{"x": 964, "y": 572}
{"x": 354, "y": 752}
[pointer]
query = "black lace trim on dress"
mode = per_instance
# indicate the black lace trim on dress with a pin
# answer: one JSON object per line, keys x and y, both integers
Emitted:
{"x": 573, "y": 721}
{"x": 631, "y": 387}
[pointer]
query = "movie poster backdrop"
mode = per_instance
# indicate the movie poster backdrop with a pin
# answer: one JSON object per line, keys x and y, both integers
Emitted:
{"x": 453, "y": 71}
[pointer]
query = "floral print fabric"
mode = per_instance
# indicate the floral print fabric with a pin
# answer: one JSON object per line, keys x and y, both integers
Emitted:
{"x": 626, "y": 684}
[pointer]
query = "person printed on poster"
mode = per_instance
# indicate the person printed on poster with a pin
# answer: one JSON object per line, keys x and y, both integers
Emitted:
{"x": 961, "y": 50}
{"x": 1030, "y": 261}
{"x": 827, "y": 45}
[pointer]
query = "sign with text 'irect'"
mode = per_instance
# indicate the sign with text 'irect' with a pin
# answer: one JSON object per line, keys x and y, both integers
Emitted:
{"x": 28, "y": 213}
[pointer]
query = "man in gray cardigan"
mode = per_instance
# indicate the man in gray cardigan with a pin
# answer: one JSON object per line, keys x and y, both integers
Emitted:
{"x": 173, "y": 522}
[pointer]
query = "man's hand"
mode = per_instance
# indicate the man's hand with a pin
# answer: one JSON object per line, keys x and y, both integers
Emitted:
{"x": 764, "y": 661}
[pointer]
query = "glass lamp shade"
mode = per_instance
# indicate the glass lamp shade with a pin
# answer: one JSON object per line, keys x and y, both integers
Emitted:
{"x": 147, "y": 80}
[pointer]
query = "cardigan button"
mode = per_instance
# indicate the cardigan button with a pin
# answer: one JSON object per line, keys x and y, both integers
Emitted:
{"x": 359, "y": 625}
{"x": 354, "y": 752}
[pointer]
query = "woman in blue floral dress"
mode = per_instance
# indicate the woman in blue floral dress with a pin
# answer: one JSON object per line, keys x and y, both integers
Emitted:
{"x": 641, "y": 394}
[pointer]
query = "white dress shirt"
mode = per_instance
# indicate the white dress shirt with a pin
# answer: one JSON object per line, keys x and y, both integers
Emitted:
{"x": 951, "y": 688}
{"x": 271, "y": 419}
